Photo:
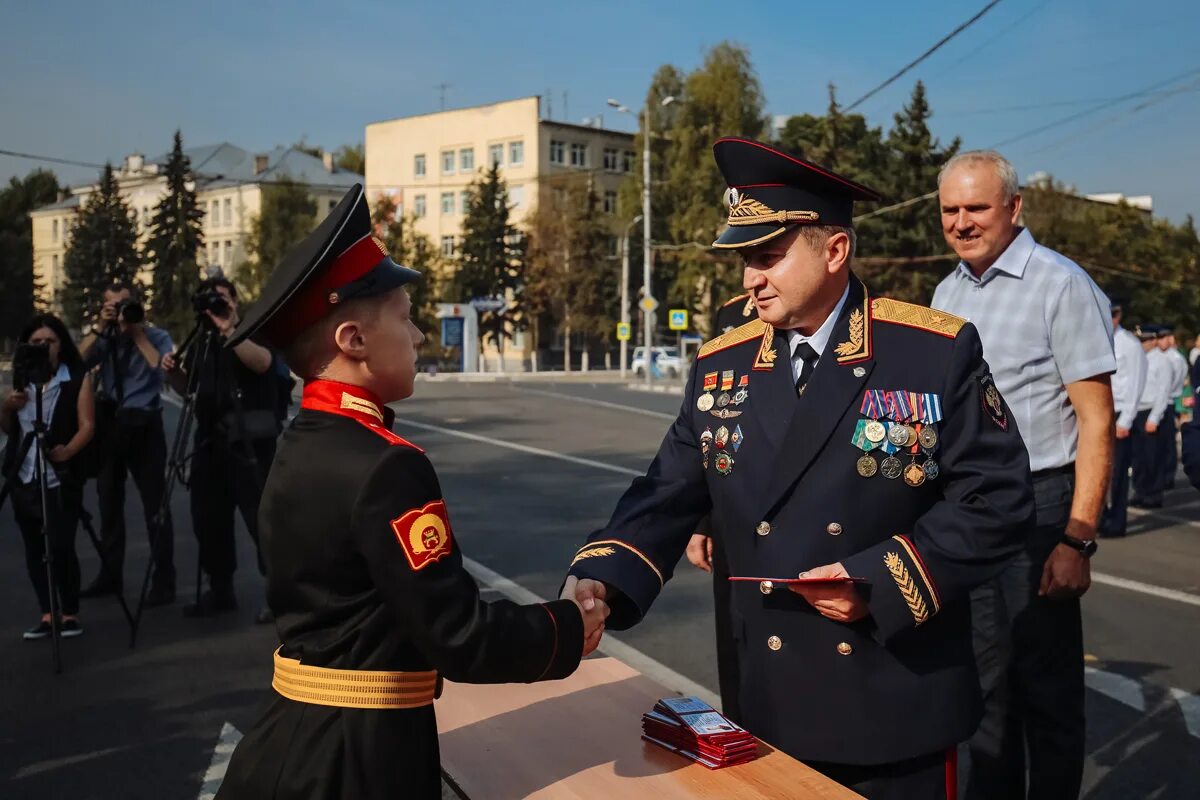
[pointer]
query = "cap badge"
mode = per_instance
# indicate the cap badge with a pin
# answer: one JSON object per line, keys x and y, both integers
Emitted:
{"x": 732, "y": 196}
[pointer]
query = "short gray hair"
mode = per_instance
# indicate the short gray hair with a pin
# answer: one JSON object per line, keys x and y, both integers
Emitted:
{"x": 818, "y": 235}
{"x": 1004, "y": 169}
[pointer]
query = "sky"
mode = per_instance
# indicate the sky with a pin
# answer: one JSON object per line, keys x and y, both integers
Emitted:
{"x": 95, "y": 81}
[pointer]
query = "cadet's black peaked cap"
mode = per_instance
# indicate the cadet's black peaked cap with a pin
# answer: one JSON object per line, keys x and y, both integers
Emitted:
{"x": 770, "y": 190}
{"x": 1147, "y": 332}
{"x": 338, "y": 261}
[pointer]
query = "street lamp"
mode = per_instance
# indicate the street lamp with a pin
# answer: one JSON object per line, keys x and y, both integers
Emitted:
{"x": 625, "y": 286}
{"x": 647, "y": 254}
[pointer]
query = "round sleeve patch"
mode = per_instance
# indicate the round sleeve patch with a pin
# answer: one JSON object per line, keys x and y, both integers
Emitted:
{"x": 424, "y": 533}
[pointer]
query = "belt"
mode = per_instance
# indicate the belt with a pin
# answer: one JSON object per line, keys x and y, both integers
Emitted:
{"x": 1065, "y": 469}
{"x": 354, "y": 688}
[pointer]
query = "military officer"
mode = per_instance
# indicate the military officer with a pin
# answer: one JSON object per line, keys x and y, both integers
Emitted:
{"x": 365, "y": 576}
{"x": 836, "y": 436}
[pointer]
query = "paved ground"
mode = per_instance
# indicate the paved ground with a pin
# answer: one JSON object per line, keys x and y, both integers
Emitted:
{"x": 528, "y": 469}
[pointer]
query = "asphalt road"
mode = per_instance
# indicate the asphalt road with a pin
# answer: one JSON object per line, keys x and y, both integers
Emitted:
{"x": 528, "y": 469}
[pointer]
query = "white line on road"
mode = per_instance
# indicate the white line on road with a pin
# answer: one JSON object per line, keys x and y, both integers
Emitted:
{"x": 226, "y": 743}
{"x": 1118, "y": 687}
{"x": 1189, "y": 704}
{"x": 1146, "y": 588}
{"x": 601, "y": 403}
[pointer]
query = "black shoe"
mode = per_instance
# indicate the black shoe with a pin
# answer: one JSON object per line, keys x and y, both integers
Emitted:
{"x": 265, "y": 616}
{"x": 39, "y": 631}
{"x": 160, "y": 596}
{"x": 211, "y": 604}
{"x": 70, "y": 628}
{"x": 103, "y": 585}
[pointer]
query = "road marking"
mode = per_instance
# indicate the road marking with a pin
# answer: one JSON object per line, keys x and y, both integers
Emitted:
{"x": 609, "y": 645}
{"x": 29, "y": 770}
{"x": 223, "y": 751}
{"x": 1189, "y": 705}
{"x": 521, "y": 448}
{"x": 600, "y": 403}
{"x": 1146, "y": 588}
{"x": 1124, "y": 690}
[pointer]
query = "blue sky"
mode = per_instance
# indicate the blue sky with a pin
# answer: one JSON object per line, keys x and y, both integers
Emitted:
{"x": 94, "y": 81}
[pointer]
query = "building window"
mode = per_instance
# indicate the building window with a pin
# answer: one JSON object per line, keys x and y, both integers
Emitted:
{"x": 54, "y": 267}
{"x": 516, "y": 196}
{"x": 558, "y": 151}
{"x": 419, "y": 165}
{"x": 466, "y": 160}
{"x": 447, "y": 162}
{"x": 228, "y": 212}
{"x": 214, "y": 253}
{"x": 516, "y": 154}
{"x": 610, "y": 202}
{"x": 447, "y": 246}
{"x": 447, "y": 202}
{"x": 613, "y": 249}
{"x": 627, "y": 161}
{"x": 54, "y": 231}
{"x": 214, "y": 214}
{"x": 464, "y": 201}
{"x": 496, "y": 155}
{"x": 228, "y": 260}
{"x": 579, "y": 155}
{"x": 610, "y": 159}
{"x": 419, "y": 206}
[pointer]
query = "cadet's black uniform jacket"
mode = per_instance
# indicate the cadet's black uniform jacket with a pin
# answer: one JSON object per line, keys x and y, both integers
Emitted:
{"x": 364, "y": 574}
{"x": 785, "y": 496}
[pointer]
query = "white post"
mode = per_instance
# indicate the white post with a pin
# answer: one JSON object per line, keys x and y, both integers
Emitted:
{"x": 647, "y": 253}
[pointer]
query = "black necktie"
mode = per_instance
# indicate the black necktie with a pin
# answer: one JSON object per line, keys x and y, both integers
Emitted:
{"x": 808, "y": 357}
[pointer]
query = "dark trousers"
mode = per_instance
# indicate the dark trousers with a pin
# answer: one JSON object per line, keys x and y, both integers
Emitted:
{"x": 1029, "y": 650}
{"x": 1170, "y": 455}
{"x": 225, "y": 479}
{"x": 925, "y": 778}
{"x": 1147, "y": 460}
{"x": 137, "y": 446}
{"x": 1117, "y": 513}
{"x": 727, "y": 664}
{"x": 63, "y": 511}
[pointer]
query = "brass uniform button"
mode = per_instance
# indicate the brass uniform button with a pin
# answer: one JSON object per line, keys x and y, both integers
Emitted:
{"x": 763, "y": 528}
{"x": 845, "y": 649}
{"x": 774, "y": 643}
{"x": 834, "y": 529}
{"x": 766, "y": 587}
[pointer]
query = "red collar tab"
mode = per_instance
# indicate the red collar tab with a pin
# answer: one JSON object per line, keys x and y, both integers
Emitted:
{"x": 316, "y": 299}
{"x": 345, "y": 400}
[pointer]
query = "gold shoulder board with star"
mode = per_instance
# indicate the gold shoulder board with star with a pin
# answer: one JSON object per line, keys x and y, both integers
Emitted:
{"x": 884, "y": 309}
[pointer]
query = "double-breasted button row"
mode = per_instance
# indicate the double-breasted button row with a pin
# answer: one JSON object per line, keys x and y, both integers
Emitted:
{"x": 764, "y": 527}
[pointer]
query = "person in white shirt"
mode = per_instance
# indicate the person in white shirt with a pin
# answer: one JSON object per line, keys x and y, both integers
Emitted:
{"x": 1179, "y": 375}
{"x": 1127, "y": 384}
{"x": 1148, "y": 427}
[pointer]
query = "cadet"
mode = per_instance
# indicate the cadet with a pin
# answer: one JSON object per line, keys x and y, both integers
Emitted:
{"x": 1148, "y": 430}
{"x": 1179, "y": 375}
{"x": 365, "y": 578}
{"x": 836, "y": 435}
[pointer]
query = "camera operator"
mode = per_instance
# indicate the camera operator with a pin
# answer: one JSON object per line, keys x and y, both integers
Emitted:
{"x": 129, "y": 420}
{"x": 236, "y": 427}
{"x": 67, "y": 412}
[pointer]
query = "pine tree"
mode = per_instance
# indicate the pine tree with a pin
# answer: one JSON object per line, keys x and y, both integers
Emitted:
{"x": 175, "y": 240}
{"x": 288, "y": 214}
{"x": 17, "y": 286}
{"x": 103, "y": 249}
{"x": 352, "y": 158}
{"x": 492, "y": 259}
{"x": 408, "y": 246}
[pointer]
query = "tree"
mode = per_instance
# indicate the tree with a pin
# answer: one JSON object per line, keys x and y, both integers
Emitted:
{"x": 352, "y": 158}
{"x": 288, "y": 214}
{"x": 103, "y": 249}
{"x": 17, "y": 288}
{"x": 492, "y": 259}
{"x": 408, "y": 246}
{"x": 175, "y": 239}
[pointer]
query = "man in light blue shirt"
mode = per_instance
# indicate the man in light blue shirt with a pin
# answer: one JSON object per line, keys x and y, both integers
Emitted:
{"x": 1127, "y": 384}
{"x": 1047, "y": 336}
{"x": 1150, "y": 429}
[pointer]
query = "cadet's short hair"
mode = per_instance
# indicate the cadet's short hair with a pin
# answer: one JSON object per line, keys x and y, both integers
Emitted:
{"x": 314, "y": 349}
{"x": 1003, "y": 167}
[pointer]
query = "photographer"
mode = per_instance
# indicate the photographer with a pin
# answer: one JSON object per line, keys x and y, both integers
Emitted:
{"x": 131, "y": 439}
{"x": 67, "y": 412}
{"x": 236, "y": 426}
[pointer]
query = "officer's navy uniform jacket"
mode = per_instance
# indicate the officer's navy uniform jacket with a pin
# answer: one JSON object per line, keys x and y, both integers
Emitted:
{"x": 788, "y": 497}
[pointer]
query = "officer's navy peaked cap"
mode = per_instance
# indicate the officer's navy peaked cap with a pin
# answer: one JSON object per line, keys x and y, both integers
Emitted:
{"x": 770, "y": 190}
{"x": 338, "y": 261}
{"x": 1147, "y": 332}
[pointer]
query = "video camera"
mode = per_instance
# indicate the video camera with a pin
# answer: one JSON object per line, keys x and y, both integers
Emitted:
{"x": 130, "y": 312}
{"x": 31, "y": 364}
{"x": 209, "y": 299}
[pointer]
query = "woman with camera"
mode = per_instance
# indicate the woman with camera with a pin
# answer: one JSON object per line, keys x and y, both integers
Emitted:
{"x": 68, "y": 415}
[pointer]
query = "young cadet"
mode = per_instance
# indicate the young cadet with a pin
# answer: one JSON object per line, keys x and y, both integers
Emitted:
{"x": 365, "y": 578}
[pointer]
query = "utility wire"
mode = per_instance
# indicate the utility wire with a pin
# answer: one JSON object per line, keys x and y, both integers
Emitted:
{"x": 924, "y": 55}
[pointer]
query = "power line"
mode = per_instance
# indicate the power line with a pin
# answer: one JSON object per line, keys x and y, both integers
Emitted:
{"x": 51, "y": 159}
{"x": 924, "y": 55}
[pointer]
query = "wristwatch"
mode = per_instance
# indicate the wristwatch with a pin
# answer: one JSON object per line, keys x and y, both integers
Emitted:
{"x": 1087, "y": 547}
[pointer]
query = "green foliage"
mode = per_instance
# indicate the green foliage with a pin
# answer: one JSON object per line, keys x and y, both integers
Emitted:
{"x": 408, "y": 246}
{"x": 175, "y": 239}
{"x": 351, "y": 157}
{"x": 288, "y": 214}
{"x": 492, "y": 259}
{"x": 103, "y": 249}
{"x": 17, "y": 289}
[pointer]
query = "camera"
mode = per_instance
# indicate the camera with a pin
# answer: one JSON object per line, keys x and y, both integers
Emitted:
{"x": 130, "y": 312}
{"x": 31, "y": 364}
{"x": 210, "y": 299}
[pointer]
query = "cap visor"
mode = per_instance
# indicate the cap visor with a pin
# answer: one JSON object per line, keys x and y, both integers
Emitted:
{"x": 734, "y": 237}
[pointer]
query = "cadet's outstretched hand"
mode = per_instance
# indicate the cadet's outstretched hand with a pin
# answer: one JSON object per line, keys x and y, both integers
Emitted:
{"x": 589, "y": 596}
{"x": 839, "y": 602}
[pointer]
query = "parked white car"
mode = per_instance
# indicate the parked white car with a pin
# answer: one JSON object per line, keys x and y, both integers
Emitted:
{"x": 665, "y": 358}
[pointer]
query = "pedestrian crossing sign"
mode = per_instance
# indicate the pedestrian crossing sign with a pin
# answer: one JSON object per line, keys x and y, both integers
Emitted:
{"x": 678, "y": 319}
{"x": 623, "y": 332}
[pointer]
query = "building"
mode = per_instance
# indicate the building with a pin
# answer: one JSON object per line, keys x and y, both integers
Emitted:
{"x": 229, "y": 183}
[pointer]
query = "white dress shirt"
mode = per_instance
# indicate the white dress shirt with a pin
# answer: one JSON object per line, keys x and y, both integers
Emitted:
{"x": 1180, "y": 368}
{"x": 1130, "y": 378}
{"x": 1157, "y": 392}
{"x": 818, "y": 340}
{"x": 26, "y": 415}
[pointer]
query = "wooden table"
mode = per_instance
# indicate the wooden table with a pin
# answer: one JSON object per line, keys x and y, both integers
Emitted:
{"x": 580, "y": 738}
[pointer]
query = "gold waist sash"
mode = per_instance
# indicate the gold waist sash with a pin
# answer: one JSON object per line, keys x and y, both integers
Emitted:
{"x": 353, "y": 688}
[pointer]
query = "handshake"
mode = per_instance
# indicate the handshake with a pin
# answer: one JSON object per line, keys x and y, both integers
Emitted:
{"x": 589, "y": 596}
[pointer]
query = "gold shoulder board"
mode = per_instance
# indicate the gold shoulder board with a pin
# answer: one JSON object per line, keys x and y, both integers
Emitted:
{"x": 751, "y": 330}
{"x": 885, "y": 309}
{"x": 733, "y": 300}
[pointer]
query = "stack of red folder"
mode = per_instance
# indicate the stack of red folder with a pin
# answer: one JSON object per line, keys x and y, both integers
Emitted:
{"x": 694, "y": 729}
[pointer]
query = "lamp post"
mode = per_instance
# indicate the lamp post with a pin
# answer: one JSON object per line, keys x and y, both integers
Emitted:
{"x": 647, "y": 251}
{"x": 625, "y": 287}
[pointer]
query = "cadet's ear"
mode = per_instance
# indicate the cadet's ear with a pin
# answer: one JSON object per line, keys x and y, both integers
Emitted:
{"x": 348, "y": 336}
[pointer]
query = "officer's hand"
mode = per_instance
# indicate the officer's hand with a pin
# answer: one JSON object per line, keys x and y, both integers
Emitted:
{"x": 1067, "y": 573}
{"x": 699, "y": 551}
{"x": 1122, "y": 433}
{"x": 593, "y": 626}
{"x": 1151, "y": 427}
{"x": 15, "y": 401}
{"x": 169, "y": 363}
{"x": 585, "y": 592}
{"x": 839, "y": 602}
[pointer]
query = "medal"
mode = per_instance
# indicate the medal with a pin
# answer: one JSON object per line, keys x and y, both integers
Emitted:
{"x": 725, "y": 413}
{"x": 866, "y": 465}
{"x": 742, "y": 396}
{"x": 744, "y": 381}
{"x": 860, "y": 438}
{"x": 928, "y": 437}
{"x": 723, "y": 399}
{"x": 736, "y": 438}
{"x": 891, "y": 468}
{"x": 710, "y": 381}
{"x": 898, "y": 435}
{"x": 931, "y": 469}
{"x": 722, "y": 437}
{"x": 724, "y": 463}
{"x": 704, "y": 402}
{"x": 914, "y": 475}
{"x": 726, "y": 380}
{"x": 931, "y": 408}
{"x": 875, "y": 431}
